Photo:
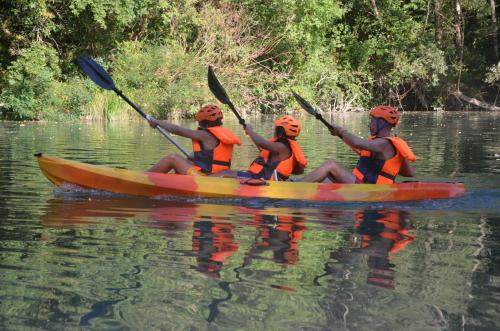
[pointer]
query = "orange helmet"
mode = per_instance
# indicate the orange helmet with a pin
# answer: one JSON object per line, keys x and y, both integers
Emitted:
{"x": 208, "y": 113}
{"x": 289, "y": 124}
{"x": 388, "y": 113}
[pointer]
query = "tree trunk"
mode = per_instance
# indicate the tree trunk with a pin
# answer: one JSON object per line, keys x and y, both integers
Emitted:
{"x": 375, "y": 9}
{"x": 439, "y": 21}
{"x": 494, "y": 24}
{"x": 475, "y": 102}
{"x": 459, "y": 40}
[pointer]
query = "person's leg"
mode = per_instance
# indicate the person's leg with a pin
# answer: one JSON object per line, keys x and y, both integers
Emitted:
{"x": 172, "y": 161}
{"x": 330, "y": 169}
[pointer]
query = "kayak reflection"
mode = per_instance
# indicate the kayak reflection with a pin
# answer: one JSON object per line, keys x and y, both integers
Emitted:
{"x": 212, "y": 226}
{"x": 215, "y": 231}
{"x": 231, "y": 244}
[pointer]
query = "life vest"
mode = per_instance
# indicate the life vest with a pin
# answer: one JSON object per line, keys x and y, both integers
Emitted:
{"x": 376, "y": 171}
{"x": 262, "y": 167}
{"x": 214, "y": 160}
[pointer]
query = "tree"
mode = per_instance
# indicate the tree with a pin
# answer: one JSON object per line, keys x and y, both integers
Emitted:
{"x": 494, "y": 27}
{"x": 459, "y": 21}
{"x": 375, "y": 9}
{"x": 438, "y": 16}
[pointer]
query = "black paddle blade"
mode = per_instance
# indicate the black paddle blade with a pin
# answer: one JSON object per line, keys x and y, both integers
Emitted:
{"x": 95, "y": 72}
{"x": 216, "y": 87}
{"x": 304, "y": 104}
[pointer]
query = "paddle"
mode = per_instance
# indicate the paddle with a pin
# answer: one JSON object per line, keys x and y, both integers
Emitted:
{"x": 219, "y": 92}
{"x": 101, "y": 77}
{"x": 308, "y": 108}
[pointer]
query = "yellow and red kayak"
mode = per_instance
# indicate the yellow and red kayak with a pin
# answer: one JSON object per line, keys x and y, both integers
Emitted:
{"x": 61, "y": 171}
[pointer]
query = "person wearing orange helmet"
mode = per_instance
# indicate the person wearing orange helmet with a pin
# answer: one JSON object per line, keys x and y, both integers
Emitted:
{"x": 212, "y": 145}
{"x": 280, "y": 156}
{"x": 381, "y": 157}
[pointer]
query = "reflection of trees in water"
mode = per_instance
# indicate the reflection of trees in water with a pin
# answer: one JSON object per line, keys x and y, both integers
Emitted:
{"x": 271, "y": 268}
{"x": 453, "y": 142}
{"x": 485, "y": 282}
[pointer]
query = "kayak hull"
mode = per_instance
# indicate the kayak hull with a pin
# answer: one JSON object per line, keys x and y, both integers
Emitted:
{"x": 61, "y": 171}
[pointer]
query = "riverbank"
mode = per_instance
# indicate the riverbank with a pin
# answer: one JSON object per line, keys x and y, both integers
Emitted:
{"x": 339, "y": 56}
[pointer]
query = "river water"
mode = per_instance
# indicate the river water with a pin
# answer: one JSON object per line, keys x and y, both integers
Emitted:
{"x": 88, "y": 260}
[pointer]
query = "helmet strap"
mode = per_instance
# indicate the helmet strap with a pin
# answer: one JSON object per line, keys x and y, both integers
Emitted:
{"x": 379, "y": 127}
{"x": 279, "y": 131}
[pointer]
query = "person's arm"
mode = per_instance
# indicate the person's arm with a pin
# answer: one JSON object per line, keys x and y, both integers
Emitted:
{"x": 376, "y": 145}
{"x": 258, "y": 140}
{"x": 199, "y": 135}
{"x": 298, "y": 170}
{"x": 406, "y": 169}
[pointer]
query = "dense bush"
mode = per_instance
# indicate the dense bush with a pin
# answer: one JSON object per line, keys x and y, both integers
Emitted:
{"x": 28, "y": 83}
{"x": 340, "y": 55}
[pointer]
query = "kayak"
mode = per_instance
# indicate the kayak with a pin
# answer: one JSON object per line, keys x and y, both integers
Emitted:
{"x": 62, "y": 172}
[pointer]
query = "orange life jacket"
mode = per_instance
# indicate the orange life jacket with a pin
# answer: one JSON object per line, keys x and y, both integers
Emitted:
{"x": 376, "y": 171}
{"x": 264, "y": 168}
{"x": 214, "y": 160}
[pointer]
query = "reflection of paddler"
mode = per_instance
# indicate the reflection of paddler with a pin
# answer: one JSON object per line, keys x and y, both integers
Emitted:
{"x": 381, "y": 233}
{"x": 388, "y": 224}
{"x": 280, "y": 234}
{"x": 213, "y": 240}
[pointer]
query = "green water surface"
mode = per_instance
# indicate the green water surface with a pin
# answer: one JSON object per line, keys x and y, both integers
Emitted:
{"x": 88, "y": 260}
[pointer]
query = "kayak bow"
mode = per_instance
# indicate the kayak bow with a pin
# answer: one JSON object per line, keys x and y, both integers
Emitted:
{"x": 61, "y": 171}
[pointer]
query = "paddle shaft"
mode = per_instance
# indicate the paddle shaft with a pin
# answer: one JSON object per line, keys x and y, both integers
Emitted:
{"x": 328, "y": 125}
{"x": 159, "y": 128}
{"x": 310, "y": 109}
{"x": 216, "y": 87}
{"x": 102, "y": 78}
{"x": 235, "y": 112}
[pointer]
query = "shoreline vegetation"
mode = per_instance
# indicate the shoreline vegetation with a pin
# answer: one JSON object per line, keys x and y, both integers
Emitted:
{"x": 341, "y": 56}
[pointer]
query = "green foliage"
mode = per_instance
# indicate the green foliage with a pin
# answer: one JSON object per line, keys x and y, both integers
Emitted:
{"x": 71, "y": 97}
{"x": 493, "y": 75}
{"x": 425, "y": 66}
{"x": 396, "y": 51}
{"x": 301, "y": 27}
{"x": 162, "y": 79}
{"x": 340, "y": 55}
{"x": 26, "y": 90}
